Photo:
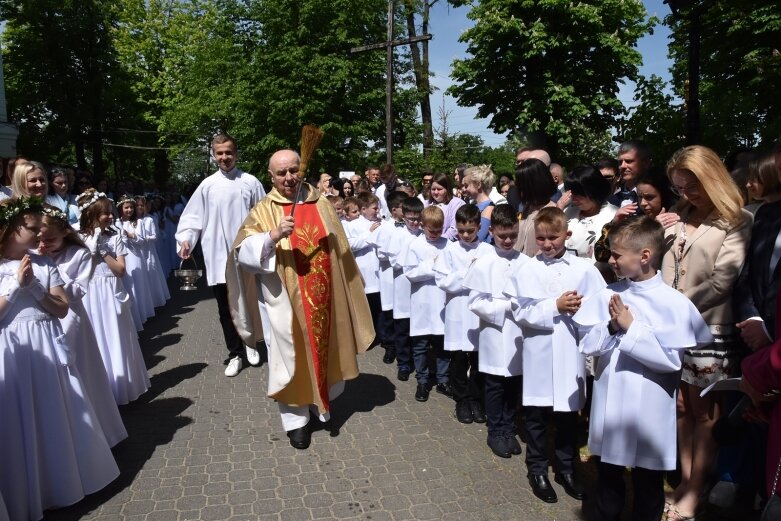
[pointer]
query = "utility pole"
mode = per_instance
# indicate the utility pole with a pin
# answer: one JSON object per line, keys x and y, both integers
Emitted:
{"x": 388, "y": 45}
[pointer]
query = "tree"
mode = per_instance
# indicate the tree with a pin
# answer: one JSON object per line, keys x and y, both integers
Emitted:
{"x": 550, "y": 67}
{"x": 740, "y": 70}
{"x": 64, "y": 84}
{"x": 656, "y": 119}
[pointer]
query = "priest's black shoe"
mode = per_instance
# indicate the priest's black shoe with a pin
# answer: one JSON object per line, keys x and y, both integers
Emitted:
{"x": 300, "y": 438}
{"x": 571, "y": 485}
{"x": 498, "y": 445}
{"x": 390, "y": 355}
{"x": 542, "y": 488}
{"x": 478, "y": 413}
{"x": 421, "y": 394}
{"x": 463, "y": 412}
{"x": 402, "y": 375}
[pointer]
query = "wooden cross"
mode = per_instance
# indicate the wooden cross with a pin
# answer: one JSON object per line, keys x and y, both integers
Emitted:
{"x": 388, "y": 45}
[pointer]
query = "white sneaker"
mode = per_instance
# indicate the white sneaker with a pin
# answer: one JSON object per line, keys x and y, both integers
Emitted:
{"x": 234, "y": 366}
{"x": 253, "y": 357}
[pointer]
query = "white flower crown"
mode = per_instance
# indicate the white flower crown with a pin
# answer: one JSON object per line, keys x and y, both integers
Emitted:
{"x": 95, "y": 196}
{"x": 55, "y": 213}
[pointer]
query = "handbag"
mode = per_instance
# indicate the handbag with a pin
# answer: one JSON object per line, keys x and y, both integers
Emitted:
{"x": 772, "y": 510}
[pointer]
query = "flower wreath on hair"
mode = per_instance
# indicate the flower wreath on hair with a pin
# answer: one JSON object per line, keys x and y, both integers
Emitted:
{"x": 18, "y": 206}
{"x": 125, "y": 199}
{"x": 55, "y": 213}
{"x": 92, "y": 200}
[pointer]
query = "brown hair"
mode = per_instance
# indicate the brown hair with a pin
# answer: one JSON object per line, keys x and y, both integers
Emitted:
{"x": 60, "y": 222}
{"x": 763, "y": 171}
{"x": 639, "y": 233}
{"x": 366, "y": 199}
{"x": 6, "y": 230}
{"x": 219, "y": 139}
{"x": 445, "y": 182}
{"x": 350, "y": 202}
{"x": 89, "y": 215}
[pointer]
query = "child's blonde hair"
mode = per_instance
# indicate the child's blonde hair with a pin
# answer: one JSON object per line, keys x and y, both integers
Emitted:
{"x": 432, "y": 217}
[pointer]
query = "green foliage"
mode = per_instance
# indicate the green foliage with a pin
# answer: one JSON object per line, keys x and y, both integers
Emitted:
{"x": 64, "y": 84}
{"x": 550, "y": 67}
{"x": 656, "y": 119}
{"x": 740, "y": 71}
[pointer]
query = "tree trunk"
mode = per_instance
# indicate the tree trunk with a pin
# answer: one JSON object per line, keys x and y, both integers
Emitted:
{"x": 420, "y": 67}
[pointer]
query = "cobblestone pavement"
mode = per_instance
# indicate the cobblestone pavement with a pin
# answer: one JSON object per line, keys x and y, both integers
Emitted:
{"x": 206, "y": 447}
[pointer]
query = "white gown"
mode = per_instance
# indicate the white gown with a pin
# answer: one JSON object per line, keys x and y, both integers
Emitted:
{"x": 638, "y": 371}
{"x": 75, "y": 266}
{"x": 500, "y": 342}
{"x": 136, "y": 279}
{"x": 157, "y": 278}
{"x": 108, "y": 308}
{"x": 52, "y": 448}
{"x": 462, "y": 326}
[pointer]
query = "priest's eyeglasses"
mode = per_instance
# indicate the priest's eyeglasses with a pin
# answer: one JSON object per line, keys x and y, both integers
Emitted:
{"x": 289, "y": 170}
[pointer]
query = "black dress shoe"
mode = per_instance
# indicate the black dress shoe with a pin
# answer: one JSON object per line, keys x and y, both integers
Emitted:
{"x": 421, "y": 394}
{"x": 542, "y": 488}
{"x": 390, "y": 355}
{"x": 300, "y": 438}
{"x": 445, "y": 389}
{"x": 512, "y": 443}
{"x": 498, "y": 445}
{"x": 478, "y": 413}
{"x": 463, "y": 412}
{"x": 571, "y": 485}
{"x": 402, "y": 375}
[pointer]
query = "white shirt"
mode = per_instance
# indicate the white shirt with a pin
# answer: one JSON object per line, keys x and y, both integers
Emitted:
{"x": 397, "y": 252}
{"x": 461, "y": 325}
{"x": 553, "y": 367}
{"x": 426, "y": 298}
{"x": 359, "y": 237}
{"x": 500, "y": 340}
{"x": 214, "y": 214}
{"x": 382, "y": 239}
{"x": 586, "y": 231}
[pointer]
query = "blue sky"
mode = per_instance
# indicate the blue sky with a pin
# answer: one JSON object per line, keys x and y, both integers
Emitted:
{"x": 447, "y": 24}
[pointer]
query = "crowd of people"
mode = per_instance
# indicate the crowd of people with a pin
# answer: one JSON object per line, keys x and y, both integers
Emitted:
{"x": 540, "y": 298}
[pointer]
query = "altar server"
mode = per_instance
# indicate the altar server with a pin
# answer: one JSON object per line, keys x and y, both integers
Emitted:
{"x": 548, "y": 291}
{"x": 639, "y": 344}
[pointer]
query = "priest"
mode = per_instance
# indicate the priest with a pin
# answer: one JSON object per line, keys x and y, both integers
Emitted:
{"x": 293, "y": 281}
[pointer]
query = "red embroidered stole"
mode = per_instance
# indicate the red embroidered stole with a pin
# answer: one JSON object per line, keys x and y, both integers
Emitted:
{"x": 309, "y": 242}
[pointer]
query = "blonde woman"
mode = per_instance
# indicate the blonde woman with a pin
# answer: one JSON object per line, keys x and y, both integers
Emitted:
{"x": 477, "y": 183}
{"x": 29, "y": 179}
{"x": 706, "y": 250}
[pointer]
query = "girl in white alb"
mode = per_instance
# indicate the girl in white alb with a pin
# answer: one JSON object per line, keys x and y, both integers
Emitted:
{"x": 136, "y": 278}
{"x": 52, "y": 449}
{"x": 74, "y": 262}
{"x": 108, "y": 304}
{"x": 157, "y": 279}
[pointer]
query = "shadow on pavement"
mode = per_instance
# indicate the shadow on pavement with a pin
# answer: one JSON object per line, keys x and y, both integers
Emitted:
{"x": 362, "y": 394}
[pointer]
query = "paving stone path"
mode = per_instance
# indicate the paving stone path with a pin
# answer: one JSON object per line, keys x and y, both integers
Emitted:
{"x": 206, "y": 447}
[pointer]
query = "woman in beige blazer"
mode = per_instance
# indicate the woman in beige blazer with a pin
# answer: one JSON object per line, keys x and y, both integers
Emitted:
{"x": 704, "y": 256}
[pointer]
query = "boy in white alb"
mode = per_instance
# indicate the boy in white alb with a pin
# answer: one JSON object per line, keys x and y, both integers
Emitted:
{"x": 461, "y": 325}
{"x": 359, "y": 236}
{"x": 427, "y": 324}
{"x": 638, "y": 328}
{"x": 382, "y": 239}
{"x": 396, "y": 250}
{"x": 214, "y": 214}
{"x": 547, "y": 293}
{"x": 500, "y": 340}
